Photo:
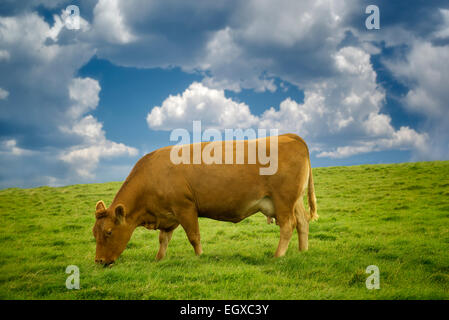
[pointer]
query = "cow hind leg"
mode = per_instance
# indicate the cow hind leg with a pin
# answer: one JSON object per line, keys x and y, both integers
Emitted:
{"x": 286, "y": 223}
{"x": 164, "y": 239}
{"x": 302, "y": 225}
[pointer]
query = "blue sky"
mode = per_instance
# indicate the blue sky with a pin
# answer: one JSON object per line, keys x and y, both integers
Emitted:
{"x": 81, "y": 106}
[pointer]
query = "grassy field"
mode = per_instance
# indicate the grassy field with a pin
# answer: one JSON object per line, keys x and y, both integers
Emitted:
{"x": 393, "y": 216}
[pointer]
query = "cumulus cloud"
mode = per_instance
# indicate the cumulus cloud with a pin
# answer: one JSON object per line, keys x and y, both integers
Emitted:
{"x": 61, "y": 21}
{"x": 223, "y": 56}
{"x": 292, "y": 40}
{"x": 235, "y": 44}
{"x": 425, "y": 71}
{"x": 254, "y": 42}
{"x": 84, "y": 158}
{"x": 200, "y": 102}
{"x": 109, "y": 23}
{"x": 39, "y": 72}
{"x": 53, "y": 122}
{"x": 343, "y": 104}
{"x": 84, "y": 93}
{"x": 402, "y": 139}
{"x": 9, "y": 147}
{"x": 346, "y": 110}
{"x": 157, "y": 33}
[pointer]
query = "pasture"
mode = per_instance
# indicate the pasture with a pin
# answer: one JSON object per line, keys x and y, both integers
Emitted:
{"x": 394, "y": 216}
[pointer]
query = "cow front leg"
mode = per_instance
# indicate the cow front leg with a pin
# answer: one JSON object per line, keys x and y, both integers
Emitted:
{"x": 188, "y": 218}
{"x": 193, "y": 234}
{"x": 164, "y": 239}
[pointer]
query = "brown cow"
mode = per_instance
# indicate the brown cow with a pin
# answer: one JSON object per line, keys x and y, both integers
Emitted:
{"x": 159, "y": 194}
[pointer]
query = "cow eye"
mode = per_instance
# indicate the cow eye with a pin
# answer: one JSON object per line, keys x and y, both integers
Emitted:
{"x": 108, "y": 233}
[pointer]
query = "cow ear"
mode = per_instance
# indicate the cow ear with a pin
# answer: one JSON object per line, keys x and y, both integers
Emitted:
{"x": 100, "y": 206}
{"x": 119, "y": 213}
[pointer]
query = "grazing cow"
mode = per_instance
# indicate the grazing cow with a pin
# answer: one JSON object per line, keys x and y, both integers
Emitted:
{"x": 159, "y": 194}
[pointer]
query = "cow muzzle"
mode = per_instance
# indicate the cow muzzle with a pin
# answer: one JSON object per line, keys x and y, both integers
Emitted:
{"x": 104, "y": 262}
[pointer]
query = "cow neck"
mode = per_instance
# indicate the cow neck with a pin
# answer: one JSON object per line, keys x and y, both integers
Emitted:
{"x": 128, "y": 196}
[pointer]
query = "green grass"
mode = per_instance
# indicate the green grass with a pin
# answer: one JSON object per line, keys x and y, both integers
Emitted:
{"x": 393, "y": 216}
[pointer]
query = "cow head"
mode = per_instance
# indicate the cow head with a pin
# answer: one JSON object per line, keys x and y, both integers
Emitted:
{"x": 111, "y": 231}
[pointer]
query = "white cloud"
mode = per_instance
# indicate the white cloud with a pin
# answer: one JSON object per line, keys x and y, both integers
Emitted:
{"x": 443, "y": 32}
{"x": 236, "y": 44}
{"x": 246, "y": 44}
{"x": 60, "y": 22}
{"x": 84, "y": 92}
{"x": 30, "y": 32}
{"x": 345, "y": 109}
{"x": 53, "y": 114}
{"x": 223, "y": 57}
{"x": 9, "y": 147}
{"x": 3, "y": 94}
{"x": 252, "y": 42}
{"x": 292, "y": 40}
{"x": 39, "y": 71}
{"x": 286, "y": 23}
{"x": 200, "y": 102}
{"x": 110, "y": 24}
{"x": 85, "y": 157}
{"x": 425, "y": 71}
{"x": 403, "y": 139}
{"x": 348, "y": 104}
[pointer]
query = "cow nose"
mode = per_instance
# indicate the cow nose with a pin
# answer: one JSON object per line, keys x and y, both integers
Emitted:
{"x": 99, "y": 260}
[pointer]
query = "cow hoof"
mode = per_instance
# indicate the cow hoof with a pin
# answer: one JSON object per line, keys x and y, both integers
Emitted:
{"x": 277, "y": 255}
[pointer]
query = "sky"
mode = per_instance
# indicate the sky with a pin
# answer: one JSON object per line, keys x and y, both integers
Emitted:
{"x": 83, "y": 105}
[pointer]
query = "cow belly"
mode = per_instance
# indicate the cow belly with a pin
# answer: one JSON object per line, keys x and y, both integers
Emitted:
{"x": 237, "y": 214}
{"x": 264, "y": 205}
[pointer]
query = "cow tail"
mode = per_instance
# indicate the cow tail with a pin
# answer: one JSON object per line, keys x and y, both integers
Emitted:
{"x": 311, "y": 196}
